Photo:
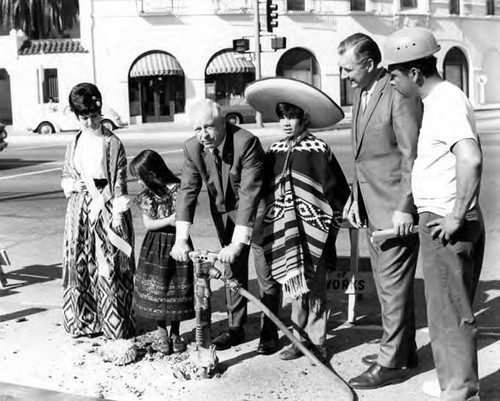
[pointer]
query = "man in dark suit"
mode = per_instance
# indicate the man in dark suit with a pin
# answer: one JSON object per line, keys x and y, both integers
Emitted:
{"x": 229, "y": 160}
{"x": 384, "y": 133}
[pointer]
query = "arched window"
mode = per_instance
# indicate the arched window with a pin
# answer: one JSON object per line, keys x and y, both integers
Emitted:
{"x": 156, "y": 87}
{"x": 358, "y": 5}
{"x": 455, "y": 7}
{"x": 456, "y": 69}
{"x": 300, "y": 64}
{"x": 490, "y": 7}
{"x": 5, "y": 98}
{"x": 226, "y": 76}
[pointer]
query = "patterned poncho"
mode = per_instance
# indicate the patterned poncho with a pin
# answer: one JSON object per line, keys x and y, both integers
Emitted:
{"x": 305, "y": 194}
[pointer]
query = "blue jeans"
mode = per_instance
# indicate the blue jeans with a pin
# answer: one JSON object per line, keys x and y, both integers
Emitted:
{"x": 451, "y": 274}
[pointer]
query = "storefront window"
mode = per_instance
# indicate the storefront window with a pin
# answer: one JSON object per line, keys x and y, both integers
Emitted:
{"x": 300, "y": 64}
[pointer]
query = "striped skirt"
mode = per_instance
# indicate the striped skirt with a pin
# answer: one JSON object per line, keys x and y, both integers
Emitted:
{"x": 163, "y": 287}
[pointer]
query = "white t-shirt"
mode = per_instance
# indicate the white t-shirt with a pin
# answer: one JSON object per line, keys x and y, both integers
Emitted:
{"x": 448, "y": 118}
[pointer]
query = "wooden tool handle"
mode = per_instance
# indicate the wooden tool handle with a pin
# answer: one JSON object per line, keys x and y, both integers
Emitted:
{"x": 382, "y": 235}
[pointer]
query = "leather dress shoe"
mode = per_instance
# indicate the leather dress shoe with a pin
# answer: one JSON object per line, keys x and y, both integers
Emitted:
{"x": 229, "y": 339}
{"x": 292, "y": 352}
{"x": 268, "y": 347}
{"x": 377, "y": 376}
{"x": 372, "y": 358}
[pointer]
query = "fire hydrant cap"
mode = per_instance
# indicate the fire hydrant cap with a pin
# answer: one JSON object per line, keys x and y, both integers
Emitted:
{"x": 409, "y": 44}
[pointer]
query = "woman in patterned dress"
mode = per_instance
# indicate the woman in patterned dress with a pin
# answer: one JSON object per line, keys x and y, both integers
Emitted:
{"x": 164, "y": 287}
{"x": 98, "y": 259}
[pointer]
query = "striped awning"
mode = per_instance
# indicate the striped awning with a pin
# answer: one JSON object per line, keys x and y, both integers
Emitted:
{"x": 229, "y": 63}
{"x": 156, "y": 64}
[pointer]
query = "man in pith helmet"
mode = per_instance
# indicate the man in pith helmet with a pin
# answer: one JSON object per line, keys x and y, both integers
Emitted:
{"x": 445, "y": 183}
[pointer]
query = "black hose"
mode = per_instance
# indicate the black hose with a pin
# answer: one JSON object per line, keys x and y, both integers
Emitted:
{"x": 337, "y": 380}
{"x": 235, "y": 286}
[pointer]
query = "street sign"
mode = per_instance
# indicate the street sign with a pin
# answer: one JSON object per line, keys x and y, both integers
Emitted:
{"x": 241, "y": 45}
{"x": 278, "y": 42}
{"x": 350, "y": 282}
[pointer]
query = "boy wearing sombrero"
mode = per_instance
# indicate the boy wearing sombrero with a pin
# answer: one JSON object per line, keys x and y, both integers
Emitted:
{"x": 304, "y": 191}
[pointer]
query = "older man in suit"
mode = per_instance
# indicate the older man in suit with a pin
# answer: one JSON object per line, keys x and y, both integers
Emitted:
{"x": 229, "y": 160}
{"x": 384, "y": 135}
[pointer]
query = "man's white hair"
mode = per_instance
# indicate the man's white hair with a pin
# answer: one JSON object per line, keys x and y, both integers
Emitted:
{"x": 204, "y": 104}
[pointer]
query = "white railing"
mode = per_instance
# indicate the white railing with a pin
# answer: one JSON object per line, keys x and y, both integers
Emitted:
{"x": 157, "y": 6}
{"x": 233, "y": 6}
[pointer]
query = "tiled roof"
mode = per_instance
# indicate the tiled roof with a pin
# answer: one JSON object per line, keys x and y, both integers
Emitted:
{"x": 47, "y": 46}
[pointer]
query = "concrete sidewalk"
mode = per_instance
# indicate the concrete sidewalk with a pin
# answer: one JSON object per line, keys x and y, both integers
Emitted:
{"x": 13, "y": 392}
{"x": 35, "y": 351}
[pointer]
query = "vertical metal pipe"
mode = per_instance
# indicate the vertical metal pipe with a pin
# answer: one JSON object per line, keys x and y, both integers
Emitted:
{"x": 256, "y": 12}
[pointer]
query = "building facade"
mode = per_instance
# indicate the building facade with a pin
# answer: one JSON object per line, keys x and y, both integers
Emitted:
{"x": 151, "y": 58}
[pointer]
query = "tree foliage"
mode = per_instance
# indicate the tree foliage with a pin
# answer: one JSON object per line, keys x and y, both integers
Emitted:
{"x": 39, "y": 19}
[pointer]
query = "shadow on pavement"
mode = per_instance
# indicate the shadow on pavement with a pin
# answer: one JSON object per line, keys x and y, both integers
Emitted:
{"x": 490, "y": 386}
{"x": 29, "y": 275}
{"x": 20, "y": 314}
{"x": 9, "y": 164}
{"x": 7, "y": 196}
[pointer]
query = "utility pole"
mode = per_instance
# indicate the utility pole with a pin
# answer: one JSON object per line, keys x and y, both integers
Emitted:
{"x": 258, "y": 116}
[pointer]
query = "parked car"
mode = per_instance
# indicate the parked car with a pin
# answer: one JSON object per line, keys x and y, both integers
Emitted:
{"x": 3, "y": 136}
{"x": 241, "y": 113}
{"x": 55, "y": 118}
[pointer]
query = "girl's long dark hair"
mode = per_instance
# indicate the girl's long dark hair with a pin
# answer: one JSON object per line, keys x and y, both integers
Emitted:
{"x": 150, "y": 167}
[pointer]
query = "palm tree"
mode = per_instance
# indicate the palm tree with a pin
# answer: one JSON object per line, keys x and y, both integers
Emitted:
{"x": 39, "y": 19}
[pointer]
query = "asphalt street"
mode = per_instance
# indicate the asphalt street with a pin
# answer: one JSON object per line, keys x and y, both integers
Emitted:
{"x": 32, "y": 208}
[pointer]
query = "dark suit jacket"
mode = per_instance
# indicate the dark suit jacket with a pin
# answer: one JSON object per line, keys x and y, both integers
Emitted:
{"x": 385, "y": 147}
{"x": 236, "y": 201}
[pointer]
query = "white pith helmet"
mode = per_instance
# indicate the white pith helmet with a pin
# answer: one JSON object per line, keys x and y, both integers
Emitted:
{"x": 409, "y": 44}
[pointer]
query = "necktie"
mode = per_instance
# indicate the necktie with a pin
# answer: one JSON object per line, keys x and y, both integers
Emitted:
{"x": 364, "y": 101}
{"x": 219, "y": 201}
{"x": 218, "y": 162}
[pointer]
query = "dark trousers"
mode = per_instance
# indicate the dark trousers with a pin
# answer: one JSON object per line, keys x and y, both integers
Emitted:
{"x": 393, "y": 264}
{"x": 235, "y": 302}
{"x": 451, "y": 274}
{"x": 269, "y": 291}
{"x": 310, "y": 311}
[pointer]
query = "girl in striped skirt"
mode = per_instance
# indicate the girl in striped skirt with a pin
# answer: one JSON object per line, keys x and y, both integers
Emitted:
{"x": 163, "y": 286}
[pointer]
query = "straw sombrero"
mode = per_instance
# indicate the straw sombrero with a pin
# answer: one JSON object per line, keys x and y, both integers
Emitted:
{"x": 263, "y": 95}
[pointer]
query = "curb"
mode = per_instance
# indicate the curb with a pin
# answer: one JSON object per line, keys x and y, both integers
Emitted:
{"x": 270, "y": 129}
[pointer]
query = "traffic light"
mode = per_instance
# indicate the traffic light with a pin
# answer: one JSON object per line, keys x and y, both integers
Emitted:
{"x": 271, "y": 15}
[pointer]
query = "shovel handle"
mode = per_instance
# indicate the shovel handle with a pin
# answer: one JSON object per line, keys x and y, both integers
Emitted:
{"x": 381, "y": 235}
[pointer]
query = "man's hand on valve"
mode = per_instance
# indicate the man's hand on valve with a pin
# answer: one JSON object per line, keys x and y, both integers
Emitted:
{"x": 229, "y": 253}
{"x": 180, "y": 251}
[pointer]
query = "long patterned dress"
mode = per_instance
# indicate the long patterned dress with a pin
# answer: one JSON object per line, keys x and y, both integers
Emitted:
{"x": 98, "y": 264}
{"x": 164, "y": 287}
